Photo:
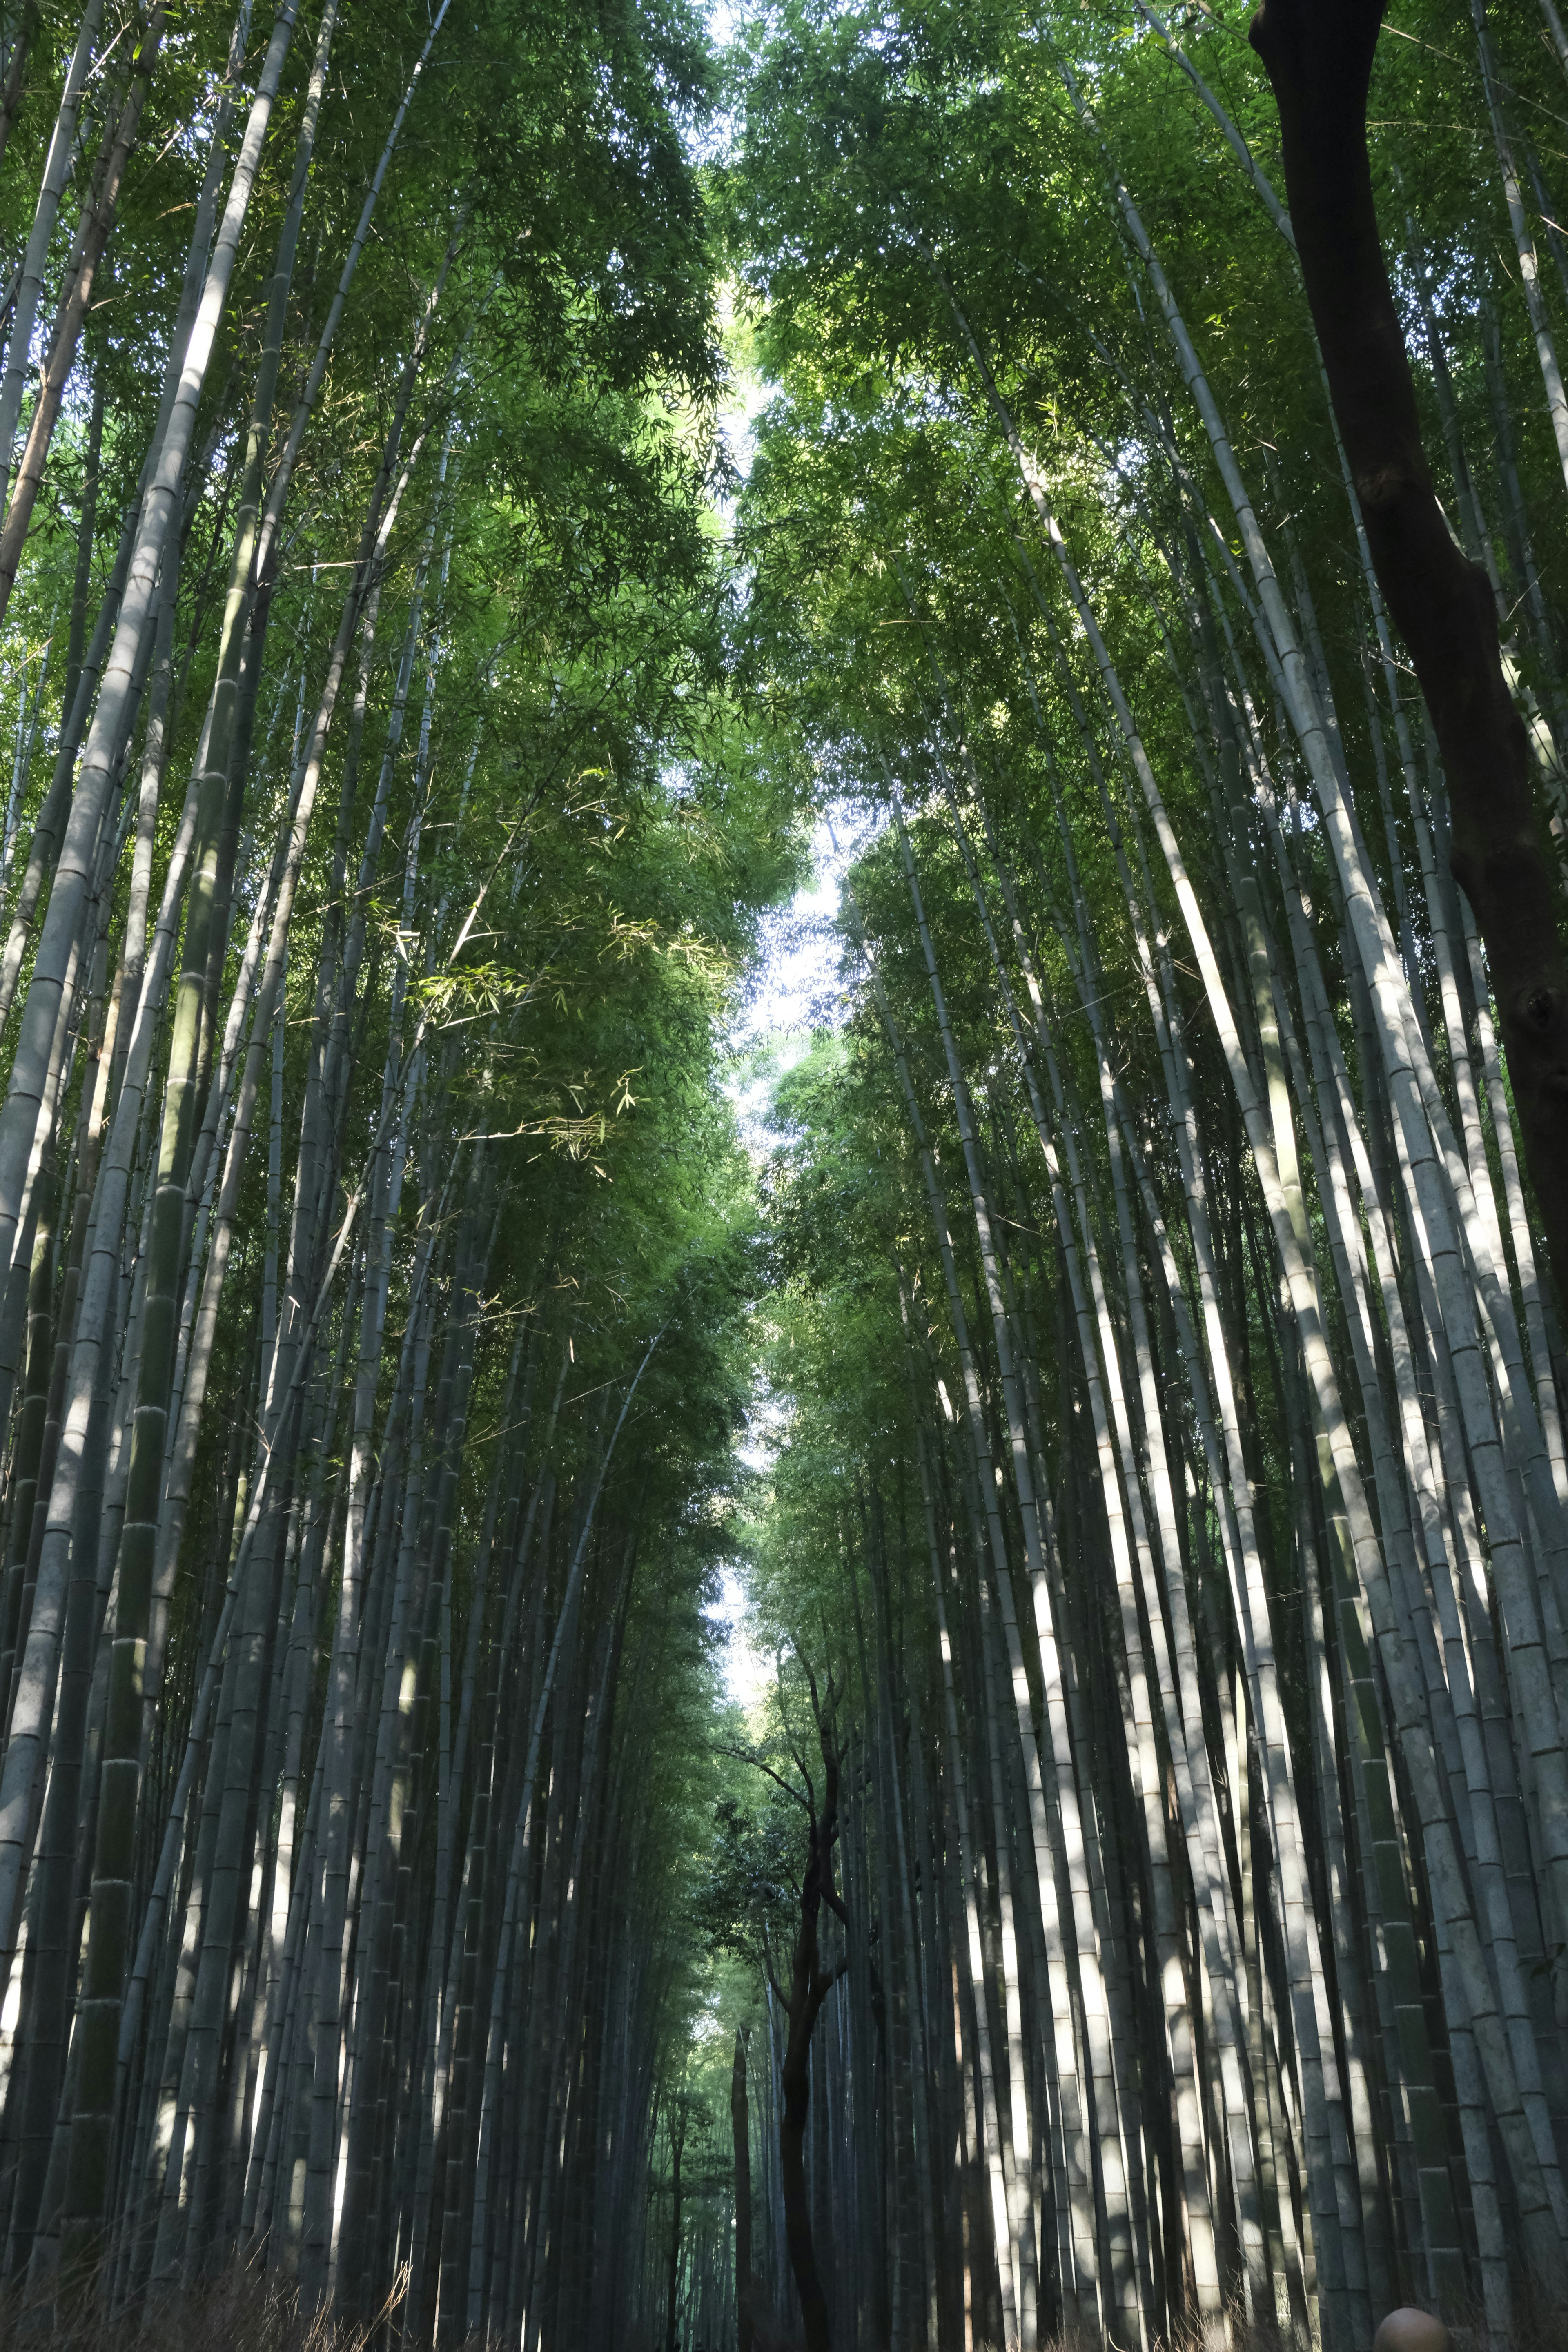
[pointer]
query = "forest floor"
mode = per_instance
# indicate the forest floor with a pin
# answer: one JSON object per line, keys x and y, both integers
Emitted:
{"x": 244, "y": 2311}
{"x": 247, "y": 2311}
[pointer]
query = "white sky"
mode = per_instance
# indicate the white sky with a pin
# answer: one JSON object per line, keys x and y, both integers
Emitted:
{"x": 746, "y": 1670}
{"x": 796, "y": 992}
{"x": 793, "y": 993}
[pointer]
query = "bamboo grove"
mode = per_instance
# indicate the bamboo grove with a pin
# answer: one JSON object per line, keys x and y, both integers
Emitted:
{"x": 1120, "y": 1367}
{"x": 1170, "y": 1472}
{"x": 381, "y": 850}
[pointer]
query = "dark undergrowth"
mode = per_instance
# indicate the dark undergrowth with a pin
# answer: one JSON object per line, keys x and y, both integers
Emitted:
{"x": 245, "y": 2310}
{"x": 249, "y": 2310}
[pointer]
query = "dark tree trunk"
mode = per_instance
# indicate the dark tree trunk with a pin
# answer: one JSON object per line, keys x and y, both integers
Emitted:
{"x": 809, "y": 1987}
{"x": 741, "y": 2125}
{"x": 1319, "y": 57}
{"x": 677, "y": 2135}
{"x": 796, "y": 2084}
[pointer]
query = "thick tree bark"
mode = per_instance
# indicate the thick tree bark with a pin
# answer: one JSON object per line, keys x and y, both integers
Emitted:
{"x": 1319, "y": 57}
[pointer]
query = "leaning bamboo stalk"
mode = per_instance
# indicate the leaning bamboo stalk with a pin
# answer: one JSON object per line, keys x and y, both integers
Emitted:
{"x": 282, "y": 1409}
{"x": 285, "y": 2003}
{"x": 57, "y": 1924}
{"x": 29, "y": 1439}
{"x": 1236, "y": 1514}
{"x": 1076, "y": 1934}
{"x": 30, "y": 1526}
{"x": 1543, "y": 2237}
{"x": 441, "y": 1973}
{"x": 184, "y": 2167}
{"x": 1407, "y": 1062}
{"x": 478, "y": 1871}
{"x": 1555, "y": 34}
{"x": 210, "y": 314}
{"x": 1440, "y": 2220}
{"x": 267, "y": 537}
{"x": 18, "y": 1118}
{"x": 1379, "y": 1830}
{"x": 925, "y": 2286}
{"x": 15, "y": 70}
{"x": 56, "y": 172}
{"x": 73, "y": 312}
{"x": 1101, "y": 1355}
{"x": 1410, "y": 1712}
{"x": 336, "y": 1757}
{"x": 51, "y": 816}
{"x": 1092, "y": 1975}
{"x": 436, "y": 1669}
{"x": 29, "y": 712}
{"x": 317, "y": 1134}
{"x": 991, "y": 2136}
{"x": 528, "y": 2298}
{"x": 514, "y": 1890}
{"x": 391, "y": 1802}
{"x": 184, "y": 1156}
{"x": 1482, "y": 1840}
{"x": 51, "y": 822}
{"x": 1523, "y": 243}
{"x": 24, "y": 1751}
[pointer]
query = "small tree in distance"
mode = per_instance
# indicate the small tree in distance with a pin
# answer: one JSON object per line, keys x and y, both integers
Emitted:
{"x": 765, "y": 1885}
